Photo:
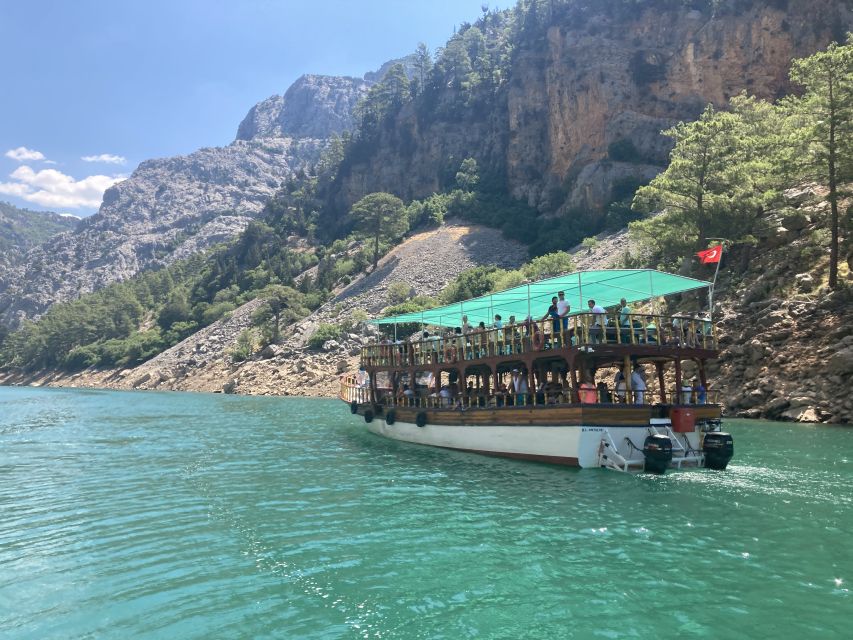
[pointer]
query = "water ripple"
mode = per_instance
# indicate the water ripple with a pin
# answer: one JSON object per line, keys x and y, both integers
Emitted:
{"x": 191, "y": 516}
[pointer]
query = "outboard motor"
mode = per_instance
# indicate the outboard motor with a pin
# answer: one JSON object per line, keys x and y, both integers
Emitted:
{"x": 718, "y": 449}
{"x": 657, "y": 450}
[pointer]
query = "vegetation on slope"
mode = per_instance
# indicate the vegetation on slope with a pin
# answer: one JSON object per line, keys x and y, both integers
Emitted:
{"x": 22, "y": 228}
{"x": 729, "y": 169}
{"x": 726, "y": 177}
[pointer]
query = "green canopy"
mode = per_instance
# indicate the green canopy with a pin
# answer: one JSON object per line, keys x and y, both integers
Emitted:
{"x": 606, "y": 287}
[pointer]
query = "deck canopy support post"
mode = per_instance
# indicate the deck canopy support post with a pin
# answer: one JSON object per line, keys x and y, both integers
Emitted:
{"x": 677, "y": 398}
{"x": 573, "y": 373}
{"x": 661, "y": 381}
{"x": 626, "y": 372}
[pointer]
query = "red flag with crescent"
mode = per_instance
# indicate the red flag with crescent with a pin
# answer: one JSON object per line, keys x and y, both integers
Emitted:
{"x": 712, "y": 255}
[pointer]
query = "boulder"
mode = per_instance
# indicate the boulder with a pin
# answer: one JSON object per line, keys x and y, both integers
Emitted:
{"x": 801, "y": 414}
{"x": 752, "y": 414}
{"x": 230, "y": 386}
{"x": 774, "y": 408}
{"x": 756, "y": 351}
{"x": 342, "y": 366}
{"x": 331, "y": 345}
{"x": 805, "y": 281}
{"x": 269, "y": 351}
{"x": 795, "y": 222}
{"x": 141, "y": 380}
{"x": 841, "y": 362}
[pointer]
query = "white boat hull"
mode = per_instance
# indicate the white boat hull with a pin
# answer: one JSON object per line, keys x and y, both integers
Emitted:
{"x": 581, "y": 446}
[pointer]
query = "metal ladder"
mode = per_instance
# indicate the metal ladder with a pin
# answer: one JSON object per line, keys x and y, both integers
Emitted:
{"x": 610, "y": 458}
{"x": 677, "y": 446}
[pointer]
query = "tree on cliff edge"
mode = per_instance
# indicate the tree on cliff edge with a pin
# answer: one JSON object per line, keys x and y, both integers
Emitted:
{"x": 822, "y": 128}
{"x": 380, "y": 216}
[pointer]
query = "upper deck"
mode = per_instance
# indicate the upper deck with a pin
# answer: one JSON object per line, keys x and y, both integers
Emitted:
{"x": 609, "y": 336}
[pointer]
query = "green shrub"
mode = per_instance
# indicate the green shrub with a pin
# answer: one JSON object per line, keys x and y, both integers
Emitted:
{"x": 324, "y": 333}
{"x": 418, "y": 303}
{"x": 245, "y": 346}
{"x": 398, "y": 292}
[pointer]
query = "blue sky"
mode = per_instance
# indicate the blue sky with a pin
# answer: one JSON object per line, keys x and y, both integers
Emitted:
{"x": 118, "y": 82}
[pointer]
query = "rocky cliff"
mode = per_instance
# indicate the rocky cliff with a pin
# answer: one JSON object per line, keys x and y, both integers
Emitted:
{"x": 170, "y": 208}
{"x": 585, "y": 94}
{"x": 313, "y": 107}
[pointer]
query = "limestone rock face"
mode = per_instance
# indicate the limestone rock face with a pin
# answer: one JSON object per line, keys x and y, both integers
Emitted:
{"x": 313, "y": 107}
{"x": 595, "y": 81}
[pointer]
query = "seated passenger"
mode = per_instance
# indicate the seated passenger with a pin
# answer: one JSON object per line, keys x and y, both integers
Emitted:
{"x": 588, "y": 393}
{"x": 603, "y": 392}
{"x": 686, "y": 394}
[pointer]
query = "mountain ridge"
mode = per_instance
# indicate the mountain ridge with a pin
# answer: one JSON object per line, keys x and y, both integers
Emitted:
{"x": 170, "y": 208}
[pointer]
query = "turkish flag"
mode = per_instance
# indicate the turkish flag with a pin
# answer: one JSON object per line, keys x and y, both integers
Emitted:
{"x": 712, "y": 255}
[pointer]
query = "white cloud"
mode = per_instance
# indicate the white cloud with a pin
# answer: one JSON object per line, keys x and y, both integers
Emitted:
{"x": 22, "y": 154}
{"x": 14, "y": 189}
{"x": 108, "y": 158}
{"x": 52, "y": 188}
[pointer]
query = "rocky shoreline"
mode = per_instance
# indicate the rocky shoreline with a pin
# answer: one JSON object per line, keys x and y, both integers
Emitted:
{"x": 781, "y": 359}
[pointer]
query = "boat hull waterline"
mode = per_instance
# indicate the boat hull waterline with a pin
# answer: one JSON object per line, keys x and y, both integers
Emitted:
{"x": 571, "y": 445}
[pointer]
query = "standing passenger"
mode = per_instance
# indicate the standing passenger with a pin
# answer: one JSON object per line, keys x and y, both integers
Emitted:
{"x": 563, "y": 309}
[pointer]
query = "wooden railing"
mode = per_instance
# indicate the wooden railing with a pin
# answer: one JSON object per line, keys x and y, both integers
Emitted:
{"x": 536, "y": 336}
{"x": 352, "y": 391}
{"x": 594, "y": 395}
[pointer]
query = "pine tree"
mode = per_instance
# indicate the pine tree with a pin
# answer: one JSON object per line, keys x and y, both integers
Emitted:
{"x": 380, "y": 215}
{"x": 822, "y": 128}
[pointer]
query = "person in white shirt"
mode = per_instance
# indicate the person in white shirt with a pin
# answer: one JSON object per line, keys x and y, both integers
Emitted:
{"x": 519, "y": 387}
{"x": 638, "y": 385}
{"x": 563, "y": 309}
{"x": 599, "y": 321}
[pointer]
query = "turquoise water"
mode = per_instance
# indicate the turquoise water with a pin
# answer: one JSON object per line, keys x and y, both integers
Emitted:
{"x": 148, "y": 515}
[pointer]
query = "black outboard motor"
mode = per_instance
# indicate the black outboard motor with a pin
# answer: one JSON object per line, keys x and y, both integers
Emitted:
{"x": 718, "y": 449}
{"x": 657, "y": 450}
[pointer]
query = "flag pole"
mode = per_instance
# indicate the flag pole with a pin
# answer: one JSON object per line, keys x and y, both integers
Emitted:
{"x": 722, "y": 242}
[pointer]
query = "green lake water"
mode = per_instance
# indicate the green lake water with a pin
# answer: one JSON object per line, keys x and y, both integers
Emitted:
{"x": 165, "y": 515}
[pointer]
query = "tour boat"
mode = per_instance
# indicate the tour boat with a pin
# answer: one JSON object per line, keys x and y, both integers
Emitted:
{"x": 544, "y": 388}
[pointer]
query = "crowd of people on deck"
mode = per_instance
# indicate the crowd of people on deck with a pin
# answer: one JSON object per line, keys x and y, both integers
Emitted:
{"x": 549, "y": 387}
{"x": 621, "y": 324}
